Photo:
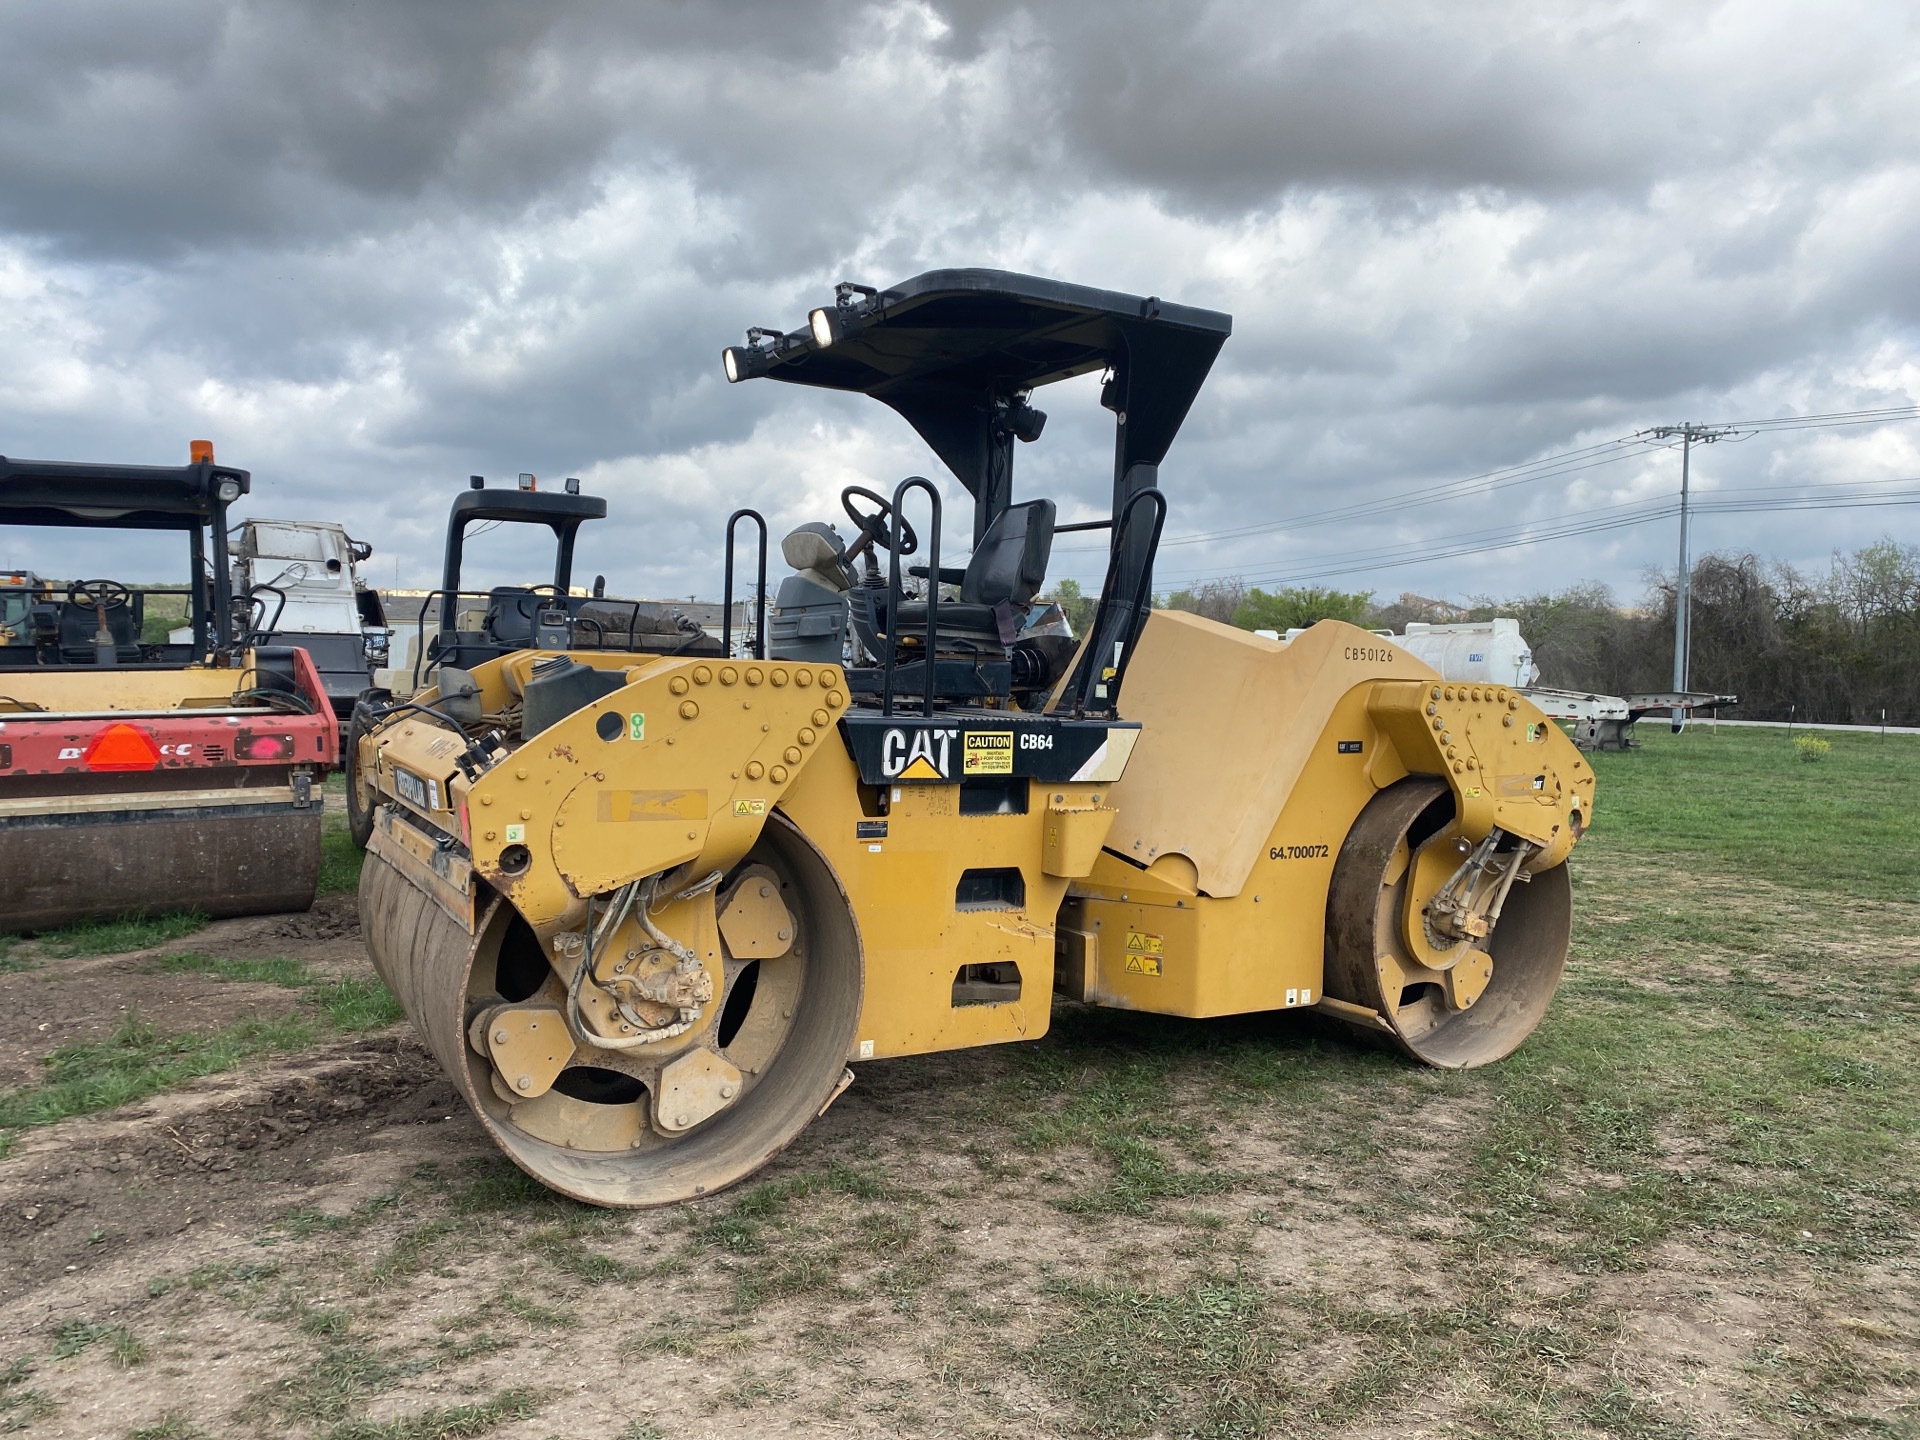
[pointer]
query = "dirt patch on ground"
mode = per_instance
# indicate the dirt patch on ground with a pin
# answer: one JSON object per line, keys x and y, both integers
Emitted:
{"x": 89, "y": 1198}
{"x": 51, "y": 1001}
{"x": 1133, "y": 1227}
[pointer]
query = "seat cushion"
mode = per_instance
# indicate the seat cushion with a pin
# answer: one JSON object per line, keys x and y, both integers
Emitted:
{"x": 973, "y": 624}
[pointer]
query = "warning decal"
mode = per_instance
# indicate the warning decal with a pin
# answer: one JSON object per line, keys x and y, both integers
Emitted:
{"x": 1143, "y": 953}
{"x": 890, "y": 750}
{"x": 987, "y": 752}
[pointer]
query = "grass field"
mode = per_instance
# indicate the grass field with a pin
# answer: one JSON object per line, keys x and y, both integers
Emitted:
{"x": 1687, "y": 1208}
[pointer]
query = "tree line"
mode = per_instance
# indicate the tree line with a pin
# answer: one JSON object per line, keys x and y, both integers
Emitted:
{"x": 1840, "y": 646}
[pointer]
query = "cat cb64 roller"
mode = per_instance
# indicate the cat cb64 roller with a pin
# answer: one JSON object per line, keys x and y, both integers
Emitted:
{"x": 651, "y": 910}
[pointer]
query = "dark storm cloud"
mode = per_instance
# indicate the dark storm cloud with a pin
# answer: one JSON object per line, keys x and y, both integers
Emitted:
{"x": 134, "y": 131}
{"x": 374, "y": 248}
{"x": 1227, "y": 105}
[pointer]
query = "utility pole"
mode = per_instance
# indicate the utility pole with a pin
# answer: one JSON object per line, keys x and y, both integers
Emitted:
{"x": 1689, "y": 435}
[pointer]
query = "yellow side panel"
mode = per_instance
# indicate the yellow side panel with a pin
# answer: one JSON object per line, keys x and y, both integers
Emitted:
{"x": 1507, "y": 763}
{"x": 1262, "y": 946}
{"x": 902, "y": 884}
{"x": 1229, "y": 724}
{"x": 680, "y": 766}
{"x": 1262, "y": 949}
{"x": 82, "y": 691}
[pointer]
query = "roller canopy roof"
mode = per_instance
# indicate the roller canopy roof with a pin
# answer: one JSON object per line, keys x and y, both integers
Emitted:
{"x": 543, "y": 506}
{"x": 120, "y": 497}
{"x": 946, "y": 347}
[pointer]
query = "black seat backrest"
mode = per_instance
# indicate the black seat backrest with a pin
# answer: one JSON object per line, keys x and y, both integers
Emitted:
{"x": 79, "y": 622}
{"x": 1009, "y": 565}
{"x": 510, "y": 612}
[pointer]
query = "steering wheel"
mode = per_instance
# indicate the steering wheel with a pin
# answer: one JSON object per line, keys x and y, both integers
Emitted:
{"x": 875, "y": 529}
{"x": 98, "y": 594}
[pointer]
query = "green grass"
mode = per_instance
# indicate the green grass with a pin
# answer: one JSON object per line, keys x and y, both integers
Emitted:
{"x": 340, "y": 859}
{"x": 1731, "y": 1067}
{"x": 139, "y": 1060}
{"x": 1741, "y": 801}
{"x": 1204, "y": 1359}
{"x": 74, "y": 1336}
{"x": 290, "y": 974}
{"x": 116, "y": 937}
{"x": 328, "y": 1395}
{"x": 447, "y": 1422}
{"x": 350, "y": 1003}
{"x": 11, "y": 963}
{"x": 20, "y": 1404}
{"x": 174, "y": 1425}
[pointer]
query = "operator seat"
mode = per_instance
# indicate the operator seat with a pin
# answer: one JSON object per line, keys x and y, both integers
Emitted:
{"x": 78, "y": 624}
{"x": 510, "y": 615}
{"x": 1007, "y": 569}
{"x": 809, "y": 618}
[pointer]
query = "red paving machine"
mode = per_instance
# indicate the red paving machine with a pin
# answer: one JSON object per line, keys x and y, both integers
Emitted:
{"x": 143, "y": 770}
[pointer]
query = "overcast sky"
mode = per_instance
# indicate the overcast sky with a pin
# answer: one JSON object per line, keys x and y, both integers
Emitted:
{"x": 370, "y": 249}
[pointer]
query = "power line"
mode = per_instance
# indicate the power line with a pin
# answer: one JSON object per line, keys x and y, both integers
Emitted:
{"x": 1838, "y": 417}
{"x": 1819, "y": 496}
{"x": 1666, "y": 510}
{"x": 1546, "y": 467}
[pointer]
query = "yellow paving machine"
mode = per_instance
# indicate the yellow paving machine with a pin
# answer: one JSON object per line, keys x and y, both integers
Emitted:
{"x": 647, "y": 910}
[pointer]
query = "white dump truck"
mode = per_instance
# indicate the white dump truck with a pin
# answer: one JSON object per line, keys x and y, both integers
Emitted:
{"x": 300, "y": 581}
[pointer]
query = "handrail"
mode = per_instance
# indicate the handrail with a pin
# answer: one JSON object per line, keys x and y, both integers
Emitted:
{"x": 895, "y": 594}
{"x": 259, "y": 632}
{"x": 760, "y": 612}
{"x": 1094, "y": 662}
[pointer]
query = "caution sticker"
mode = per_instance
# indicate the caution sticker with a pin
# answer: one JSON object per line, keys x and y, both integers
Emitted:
{"x": 749, "y": 807}
{"x": 987, "y": 752}
{"x": 1143, "y": 953}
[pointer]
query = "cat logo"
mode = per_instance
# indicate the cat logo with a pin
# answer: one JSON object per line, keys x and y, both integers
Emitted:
{"x": 917, "y": 755}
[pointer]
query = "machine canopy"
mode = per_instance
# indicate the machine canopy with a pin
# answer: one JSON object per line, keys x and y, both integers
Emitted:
{"x": 956, "y": 351}
{"x": 117, "y": 497}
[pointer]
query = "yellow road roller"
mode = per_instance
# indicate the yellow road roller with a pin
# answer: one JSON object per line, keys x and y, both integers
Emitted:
{"x": 648, "y": 910}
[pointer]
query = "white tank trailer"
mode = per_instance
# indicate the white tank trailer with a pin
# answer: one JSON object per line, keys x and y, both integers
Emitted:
{"x": 1483, "y": 652}
{"x": 1476, "y": 652}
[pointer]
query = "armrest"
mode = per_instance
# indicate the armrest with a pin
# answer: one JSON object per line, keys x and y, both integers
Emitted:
{"x": 947, "y": 576}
